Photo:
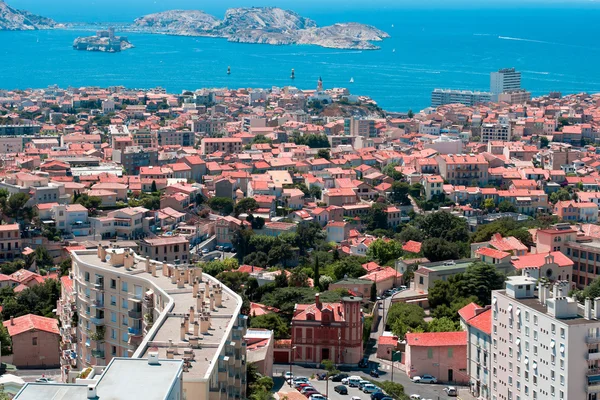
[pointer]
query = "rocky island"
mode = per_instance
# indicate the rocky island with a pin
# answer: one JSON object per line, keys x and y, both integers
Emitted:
{"x": 269, "y": 25}
{"x": 12, "y": 19}
{"x": 105, "y": 41}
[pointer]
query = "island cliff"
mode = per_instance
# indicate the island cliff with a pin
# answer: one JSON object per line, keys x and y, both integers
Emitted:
{"x": 267, "y": 25}
{"x": 105, "y": 41}
{"x": 12, "y": 19}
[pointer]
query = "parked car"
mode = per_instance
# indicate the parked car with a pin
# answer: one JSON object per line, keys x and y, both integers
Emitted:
{"x": 45, "y": 380}
{"x": 300, "y": 379}
{"x": 364, "y": 363}
{"x": 338, "y": 377}
{"x": 362, "y": 383}
{"x": 205, "y": 251}
{"x": 387, "y": 398}
{"x": 341, "y": 389}
{"x": 307, "y": 388}
{"x": 355, "y": 398}
{"x": 451, "y": 391}
{"x": 301, "y": 385}
{"x": 352, "y": 381}
{"x": 310, "y": 392}
{"x": 424, "y": 379}
{"x": 370, "y": 388}
{"x": 374, "y": 373}
{"x": 415, "y": 397}
{"x": 321, "y": 376}
{"x": 220, "y": 248}
{"x": 227, "y": 248}
{"x": 378, "y": 395}
{"x": 287, "y": 376}
{"x": 317, "y": 397}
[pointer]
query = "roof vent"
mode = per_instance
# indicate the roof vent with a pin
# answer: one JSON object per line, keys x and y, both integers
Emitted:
{"x": 91, "y": 392}
{"x": 153, "y": 356}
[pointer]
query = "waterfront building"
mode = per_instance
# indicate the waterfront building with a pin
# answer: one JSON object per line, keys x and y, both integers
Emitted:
{"x": 504, "y": 80}
{"x": 440, "y": 97}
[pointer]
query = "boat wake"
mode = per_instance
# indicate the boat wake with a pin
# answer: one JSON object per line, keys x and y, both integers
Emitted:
{"x": 523, "y": 40}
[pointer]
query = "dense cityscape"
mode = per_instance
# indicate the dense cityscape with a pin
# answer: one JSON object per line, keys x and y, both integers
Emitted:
{"x": 325, "y": 247}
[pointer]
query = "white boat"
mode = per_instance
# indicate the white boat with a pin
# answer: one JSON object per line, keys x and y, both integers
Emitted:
{"x": 393, "y": 51}
{"x": 351, "y": 80}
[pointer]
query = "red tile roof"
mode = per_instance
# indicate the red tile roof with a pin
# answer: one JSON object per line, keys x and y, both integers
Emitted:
{"x": 388, "y": 340}
{"x": 382, "y": 274}
{"x": 436, "y": 339}
{"x": 468, "y": 311}
{"x": 67, "y": 283}
{"x": 482, "y": 321}
{"x": 493, "y": 253}
{"x": 539, "y": 260}
{"x": 30, "y": 322}
{"x": 371, "y": 266}
{"x": 412, "y": 247}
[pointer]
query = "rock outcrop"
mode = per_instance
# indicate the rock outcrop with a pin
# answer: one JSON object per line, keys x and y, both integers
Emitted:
{"x": 268, "y": 25}
{"x": 12, "y": 19}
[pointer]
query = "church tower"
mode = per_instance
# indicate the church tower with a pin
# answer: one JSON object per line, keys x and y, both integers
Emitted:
{"x": 320, "y": 85}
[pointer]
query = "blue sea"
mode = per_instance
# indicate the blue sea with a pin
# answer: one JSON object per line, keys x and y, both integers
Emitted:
{"x": 445, "y": 44}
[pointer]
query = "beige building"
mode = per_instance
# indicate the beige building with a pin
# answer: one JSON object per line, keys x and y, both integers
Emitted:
{"x": 226, "y": 145}
{"x": 35, "y": 341}
{"x": 166, "y": 248}
{"x": 130, "y": 306}
{"x": 10, "y": 241}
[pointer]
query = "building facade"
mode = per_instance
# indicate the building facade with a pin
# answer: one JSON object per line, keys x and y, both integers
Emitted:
{"x": 506, "y": 79}
{"x": 440, "y": 97}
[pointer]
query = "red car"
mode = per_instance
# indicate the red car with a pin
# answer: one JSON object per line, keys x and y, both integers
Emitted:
{"x": 300, "y": 386}
{"x": 310, "y": 392}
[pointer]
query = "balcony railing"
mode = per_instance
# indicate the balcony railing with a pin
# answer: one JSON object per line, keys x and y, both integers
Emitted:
{"x": 134, "y": 297}
{"x": 98, "y": 303}
{"x": 134, "y": 331}
{"x": 593, "y": 371}
{"x": 592, "y": 339}
{"x": 97, "y": 320}
{"x": 135, "y": 314}
{"x": 98, "y": 353}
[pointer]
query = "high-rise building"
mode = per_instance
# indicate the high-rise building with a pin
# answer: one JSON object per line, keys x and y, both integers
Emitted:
{"x": 440, "y": 97}
{"x": 504, "y": 80}
{"x": 544, "y": 345}
{"x": 130, "y": 306}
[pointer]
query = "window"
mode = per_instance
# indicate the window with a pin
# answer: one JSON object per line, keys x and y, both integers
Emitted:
{"x": 113, "y": 284}
{"x": 113, "y": 316}
{"x": 429, "y": 353}
{"x": 124, "y": 286}
{"x": 87, "y": 276}
{"x": 34, "y": 341}
{"x": 450, "y": 352}
{"x": 125, "y": 337}
{"x": 113, "y": 300}
{"x": 123, "y": 303}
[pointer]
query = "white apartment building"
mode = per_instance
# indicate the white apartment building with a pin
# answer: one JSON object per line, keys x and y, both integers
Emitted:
{"x": 506, "y": 79}
{"x": 440, "y": 97}
{"x": 495, "y": 132}
{"x": 129, "y": 306}
{"x": 477, "y": 321}
{"x": 544, "y": 346}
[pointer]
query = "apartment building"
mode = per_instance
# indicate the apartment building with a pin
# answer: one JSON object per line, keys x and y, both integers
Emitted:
{"x": 166, "y": 248}
{"x": 10, "y": 242}
{"x": 170, "y": 137}
{"x": 464, "y": 169}
{"x": 130, "y": 306}
{"x": 518, "y": 96}
{"x": 506, "y": 79}
{"x": 440, "y": 97}
{"x": 586, "y": 261}
{"x": 493, "y": 132}
{"x": 135, "y": 157}
{"x": 477, "y": 321}
{"x": 544, "y": 346}
{"x": 576, "y": 212}
{"x": 359, "y": 127}
{"x": 225, "y": 145}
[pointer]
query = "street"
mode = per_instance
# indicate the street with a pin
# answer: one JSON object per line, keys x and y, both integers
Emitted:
{"x": 30, "y": 375}
{"x": 427, "y": 391}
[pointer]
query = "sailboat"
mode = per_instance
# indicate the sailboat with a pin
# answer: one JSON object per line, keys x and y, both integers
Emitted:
{"x": 392, "y": 25}
{"x": 293, "y": 76}
{"x": 228, "y": 70}
{"x": 393, "y": 51}
{"x": 351, "y": 80}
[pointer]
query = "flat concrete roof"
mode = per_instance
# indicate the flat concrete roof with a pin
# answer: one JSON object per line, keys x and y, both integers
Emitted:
{"x": 221, "y": 318}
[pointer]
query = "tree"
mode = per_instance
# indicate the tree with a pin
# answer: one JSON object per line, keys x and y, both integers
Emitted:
{"x": 5, "y": 341}
{"x": 348, "y": 266}
{"x": 444, "y": 225}
{"x": 404, "y": 317}
{"x": 323, "y": 153}
{"x": 233, "y": 279}
{"x": 246, "y": 205}
{"x": 222, "y": 205}
{"x": 400, "y": 193}
{"x": 298, "y": 278}
{"x": 507, "y": 206}
{"x": 410, "y": 114}
{"x": 385, "y": 251}
{"x": 153, "y": 188}
{"x": 560, "y": 195}
{"x": 43, "y": 259}
{"x": 544, "y": 142}
{"x": 376, "y": 217}
{"x": 409, "y": 232}
{"x": 315, "y": 192}
{"x": 444, "y": 324}
{"x": 436, "y": 249}
{"x": 14, "y": 206}
{"x": 480, "y": 279}
{"x": 390, "y": 170}
{"x": 373, "y": 294}
{"x": 489, "y": 204}
{"x": 272, "y": 322}
{"x": 316, "y": 273}
{"x": 415, "y": 190}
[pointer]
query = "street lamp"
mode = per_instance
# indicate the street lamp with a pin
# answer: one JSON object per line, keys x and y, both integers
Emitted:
{"x": 394, "y": 355}
{"x": 291, "y": 361}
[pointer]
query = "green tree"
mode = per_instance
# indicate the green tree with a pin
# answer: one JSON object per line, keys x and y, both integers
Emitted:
{"x": 415, "y": 190}
{"x": 376, "y": 217}
{"x": 246, "y": 205}
{"x": 436, "y": 249}
{"x": 507, "y": 206}
{"x": 43, "y": 259}
{"x": 153, "y": 188}
{"x": 316, "y": 273}
{"x": 410, "y": 114}
{"x": 348, "y": 266}
{"x": 315, "y": 192}
{"x": 489, "y": 204}
{"x": 404, "y": 317}
{"x": 544, "y": 142}
{"x": 444, "y": 324}
{"x": 272, "y": 322}
{"x": 5, "y": 342}
{"x": 385, "y": 251}
{"x": 560, "y": 195}
{"x": 400, "y": 193}
{"x": 323, "y": 153}
{"x": 390, "y": 170}
{"x": 409, "y": 232}
{"x": 222, "y": 205}
{"x": 14, "y": 207}
{"x": 444, "y": 225}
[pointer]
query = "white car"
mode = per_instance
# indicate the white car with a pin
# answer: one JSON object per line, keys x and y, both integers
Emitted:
{"x": 355, "y": 398}
{"x": 424, "y": 379}
{"x": 288, "y": 375}
{"x": 451, "y": 391}
{"x": 317, "y": 397}
{"x": 45, "y": 380}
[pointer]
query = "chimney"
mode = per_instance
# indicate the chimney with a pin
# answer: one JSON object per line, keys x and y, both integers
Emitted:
{"x": 91, "y": 392}
{"x": 206, "y": 289}
{"x": 128, "y": 263}
{"x": 199, "y": 273}
{"x": 191, "y": 314}
{"x": 153, "y": 269}
{"x": 182, "y": 332}
{"x": 170, "y": 354}
{"x": 153, "y": 356}
{"x": 148, "y": 266}
{"x": 587, "y": 312}
{"x": 212, "y": 302}
{"x": 317, "y": 301}
{"x": 195, "y": 289}
{"x": 196, "y": 328}
{"x": 219, "y": 296}
{"x": 173, "y": 278}
{"x": 101, "y": 253}
{"x": 204, "y": 323}
{"x": 186, "y": 274}
{"x": 556, "y": 289}
{"x": 199, "y": 303}
{"x": 547, "y": 291}
{"x": 194, "y": 339}
{"x": 542, "y": 293}
{"x": 12, "y": 320}
{"x": 180, "y": 283}
{"x": 186, "y": 321}
{"x": 165, "y": 269}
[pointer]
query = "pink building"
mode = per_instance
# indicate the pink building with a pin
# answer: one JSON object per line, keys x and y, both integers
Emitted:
{"x": 328, "y": 331}
{"x": 441, "y": 354}
{"x": 386, "y": 345}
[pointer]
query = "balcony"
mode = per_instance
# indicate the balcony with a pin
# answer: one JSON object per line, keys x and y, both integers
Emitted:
{"x": 97, "y": 336}
{"x": 98, "y": 303}
{"x": 98, "y": 353}
{"x": 593, "y": 356}
{"x": 134, "y": 331}
{"x": 593, "y": 371}
{"x": 592, "y": 339}
{"x": 136, "y": 298}
{"x": 134, "y": 314}
{"x": 99, "y": 284}
{"x": 97, "y": 320}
